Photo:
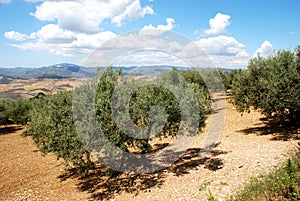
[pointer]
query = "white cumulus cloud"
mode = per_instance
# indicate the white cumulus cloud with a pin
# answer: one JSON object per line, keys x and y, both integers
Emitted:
{"x": 154, "y": 48}
{"x": 52, "y": 33}
{"x": 75, "y": 26}
{"x": 162, "y": 27}
{"x": 225, "y": 51}
{"x": 86, "y": 16}
{"x": 218, "y": 24}
{"x": 132, "y": 11}
{"x": 266, "y": 49}
{"x": 222, "y": 45}
{"x": 58, "y": 41}
{"x": 14, "y": 35}
{"x": 88, "y": 42}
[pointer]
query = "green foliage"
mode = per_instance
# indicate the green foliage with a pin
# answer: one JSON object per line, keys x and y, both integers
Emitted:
{"x": 204, "y": 186}
{"x": 271, "y": 85}
{"x": 145, "y": 98}
{"x": 169, "y": 93}
{"x": 195, "y": 85}
{"x": 210, "y": 196}
{"x": 55, "y": 128}
{"x": 142, "y": 101}
{"x": 193, "y": 76}
{"x": 148, "y": 96}
{"x": 105, "y": 89}
{"x": 209, "y": 80}
{"x": 282, "y": 184}
{"x": 39, "y": 96}
{"x": 229, "y": 77}
{"x": 3, "y": 114}
{"x": 196, "y": 80}
{"x": 16, "y": 110}
{"x": 52, "y": 129}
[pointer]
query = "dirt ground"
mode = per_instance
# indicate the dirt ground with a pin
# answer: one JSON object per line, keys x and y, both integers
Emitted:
{"x": 30, "y": 88}
{"x": 245, "y": 148}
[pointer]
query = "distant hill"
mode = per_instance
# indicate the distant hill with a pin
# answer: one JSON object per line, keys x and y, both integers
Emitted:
{"x": 5, "y": 79}
{"x": 66, "y": 70}
{"x": 58, "y": 71}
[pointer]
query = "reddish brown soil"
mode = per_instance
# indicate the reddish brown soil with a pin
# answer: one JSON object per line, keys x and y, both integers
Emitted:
{"x": 26, "y": 175}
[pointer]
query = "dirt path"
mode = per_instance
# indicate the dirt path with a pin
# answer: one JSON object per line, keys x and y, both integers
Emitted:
{"x": 241, "y": 153}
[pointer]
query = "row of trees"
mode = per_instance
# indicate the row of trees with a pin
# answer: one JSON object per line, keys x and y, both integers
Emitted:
{"x": 271, "y": 85}
{"x": 154, "y": 109}
{"x": 14, "y": 111}
{"x": 229, "y": 77}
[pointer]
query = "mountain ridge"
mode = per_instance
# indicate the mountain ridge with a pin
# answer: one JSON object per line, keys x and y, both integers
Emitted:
{"x": 68, "y": 70}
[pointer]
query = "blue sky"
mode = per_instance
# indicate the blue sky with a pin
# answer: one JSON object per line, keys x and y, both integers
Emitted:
{"x": 37, "y": 33}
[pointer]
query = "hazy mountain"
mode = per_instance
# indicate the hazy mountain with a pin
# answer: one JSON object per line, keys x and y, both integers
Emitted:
{"x": 5, "y": 79}
{"x": 66, "y": 70}
{"x": 57, "y": 71}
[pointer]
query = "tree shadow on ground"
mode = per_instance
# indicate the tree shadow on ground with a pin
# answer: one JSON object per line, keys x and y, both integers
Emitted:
{"x": 102, "y": 187}
{"x": 215, "y": 111}
{"x": 219, "y": 98}
{"x": 280, "y": 130}
{"x": 9, "y": 129}
{"x": 192, "y": 160}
